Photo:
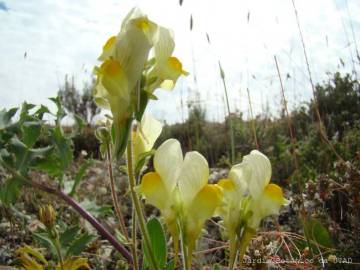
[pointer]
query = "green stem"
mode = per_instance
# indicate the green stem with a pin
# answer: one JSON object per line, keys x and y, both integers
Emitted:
{"x": 114, "y": 195}
{"x": 230, "y": 118}
{"x": 233, "y": 251}
{"x": 184, "y": 252}
{"x": 134, "y": 242}
{"x": 137, "y": 205}
{"x": 53, "y": 235}
{"x": 176, "y": 250}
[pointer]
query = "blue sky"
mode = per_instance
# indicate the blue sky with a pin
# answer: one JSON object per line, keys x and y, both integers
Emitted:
{"x": 66, "y": 37}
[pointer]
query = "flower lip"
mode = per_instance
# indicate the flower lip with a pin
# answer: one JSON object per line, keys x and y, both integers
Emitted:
{"x": 226, "y": 184}
{"x": 274, "y": 192}
{"x": 111, "y": 67}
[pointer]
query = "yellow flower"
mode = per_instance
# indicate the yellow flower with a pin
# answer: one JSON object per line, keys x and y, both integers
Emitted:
{"x": 248, "y": 193}
{"x": 126, "y": 68}
{"x": 266, "y": 198}
{"x": 145, "y": 136}
{"x": 167, "y": 68}
{"x": 248, "y": 198}
{"x": 124, "y": 57}
{"x": 179, "y": 188}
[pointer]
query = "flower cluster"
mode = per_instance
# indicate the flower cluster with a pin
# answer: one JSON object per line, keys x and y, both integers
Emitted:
{"x": 179, "y": 189}
{"x": 134, "y": 63}
{"x": 248, "y": 197}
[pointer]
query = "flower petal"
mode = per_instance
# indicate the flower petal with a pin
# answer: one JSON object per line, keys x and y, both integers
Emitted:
{"x": 205, "y": 202}
{"x": 202, "y": 207}
{"x": 108, "y": 49}
{"x": 238, "y": 174}
{"x": 153, "y": 189}
{"x": 269, "y": 203}
{"x": 258, "y": 172}
{"x": 193, "y": 176}
{"x": 146, "y": 135}
{"x": 132, "y": 50}
{"x": 230, "y": 209}
{"x": 112, "y": 77}
{"x": 164, "y": 44}
{"x": 168, "y": 161}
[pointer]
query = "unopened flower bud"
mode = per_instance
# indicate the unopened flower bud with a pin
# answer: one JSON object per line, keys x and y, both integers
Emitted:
{"x": 47, "y": 215}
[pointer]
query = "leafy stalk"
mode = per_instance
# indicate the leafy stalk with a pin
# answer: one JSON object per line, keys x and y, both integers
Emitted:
{"x": 137, "y": 205}
{"x": 114, "y": 196}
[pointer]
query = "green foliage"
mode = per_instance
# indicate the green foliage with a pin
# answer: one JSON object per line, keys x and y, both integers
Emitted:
{"x": 79, "y": 244}
{"x": 339, "y": 105}
{"x": 29, "y": 143}
{"x": 158, "y": 242}
{"x": 72, "y": 240}
{"x": 10, "y": 190}
{"x": 216, "y": 267}
{"x": 317, "y": 234}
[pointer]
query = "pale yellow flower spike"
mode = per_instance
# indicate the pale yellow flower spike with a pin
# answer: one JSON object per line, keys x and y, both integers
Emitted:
{"x": 248, "y": 198}
{"x": 179, "y": 188}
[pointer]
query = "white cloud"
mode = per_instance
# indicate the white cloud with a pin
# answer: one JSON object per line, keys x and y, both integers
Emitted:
{"x": 65, "y": 37}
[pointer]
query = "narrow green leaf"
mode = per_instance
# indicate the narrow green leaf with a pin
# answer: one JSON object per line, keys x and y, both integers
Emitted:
{"x": 43, "y": 239}
{"x": 170, "y": 265}
{"x": 121, "y": 130}
{"x": 158, "y": 242}
{"x": 121, "y": 237}
{"x": 316, "y": 232}
{"x": 144, "y": 99}
{"x": 142, "y": 159}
